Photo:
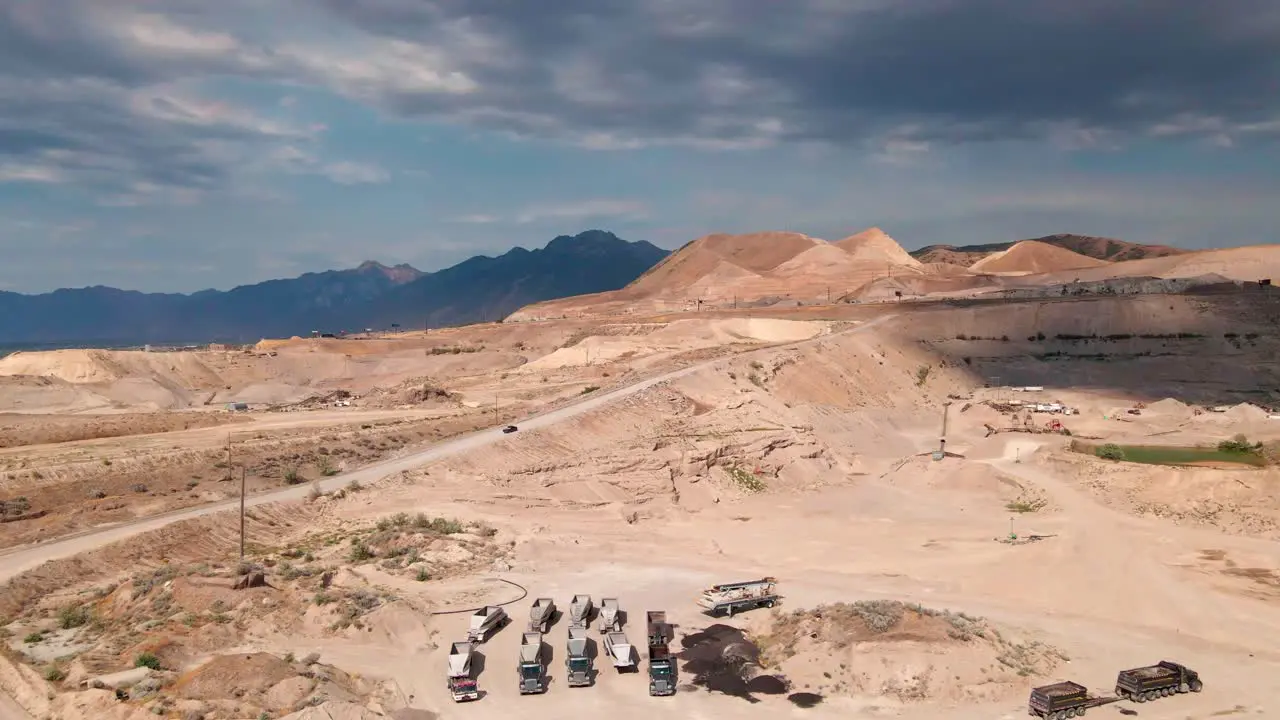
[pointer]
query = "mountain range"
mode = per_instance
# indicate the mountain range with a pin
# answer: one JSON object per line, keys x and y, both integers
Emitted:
{"x": 371, "y": 295}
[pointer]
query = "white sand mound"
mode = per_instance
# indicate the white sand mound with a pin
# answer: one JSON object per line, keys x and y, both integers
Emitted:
{"x": 1245, "y": 412}
{"x": 1030, "y": 256}
{"x": 874, "y": 244}
{"x": 1171, "y": 408}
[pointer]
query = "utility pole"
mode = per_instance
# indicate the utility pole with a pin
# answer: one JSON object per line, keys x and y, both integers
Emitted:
{"x": 228, "y": 456}
{"x": 942, "y": 446}
{"x": 242, "y": 484}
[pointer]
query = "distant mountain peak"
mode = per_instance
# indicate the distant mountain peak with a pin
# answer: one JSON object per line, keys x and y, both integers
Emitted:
{"x": 398, "y": 274}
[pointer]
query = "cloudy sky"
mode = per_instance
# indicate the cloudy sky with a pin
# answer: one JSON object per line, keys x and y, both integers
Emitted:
{"x": 184, "y": 144}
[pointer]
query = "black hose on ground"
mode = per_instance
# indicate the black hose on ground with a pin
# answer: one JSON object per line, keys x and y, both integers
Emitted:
{"x": 523, "y": 594}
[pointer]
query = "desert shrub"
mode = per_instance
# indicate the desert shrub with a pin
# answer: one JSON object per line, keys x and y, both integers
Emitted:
{"x": 33, "y": 638}
{"x": 589, "y": 389}
{"x": 922, "y": 375}
{"x": 423, "y": 575}
{"x": 325, "y": 466}
{"x": 1110, "y": 451}
{"x": 360, "y": 553}
{"x": 54, "y": 674}
{"x": 1026, "y": 506}
{"x": 147, "y": 660}
{"x": 1239, "y": 444}
{"x": 292, "y": 476}
{"x": 879, "y": 615}
{"x": 73, "y": 616}
{"x": 745, "y": 479}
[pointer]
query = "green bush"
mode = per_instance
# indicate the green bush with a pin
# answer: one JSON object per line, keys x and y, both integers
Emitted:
{"x": 147, "y": 660}
{"x": 1239, "y": 444}
{"x": 73, "y": 616}
{"x": 1110, "y": 451}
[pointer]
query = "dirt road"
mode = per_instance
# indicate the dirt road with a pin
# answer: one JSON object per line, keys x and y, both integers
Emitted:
{"x": 17, "y": 560}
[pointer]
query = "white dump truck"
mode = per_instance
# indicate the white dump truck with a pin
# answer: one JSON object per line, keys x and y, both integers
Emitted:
{"x": 730, "y": 598}
{"x": 610, "y": 615}
{"x": 485, "y": 621}
{"x": 617, "y": 647}
{"x": 577, "y": 662}
{"x": 580, "y": 611}
{"x": 541, "y": 614}
{"x": 461, "y": 685}
{"x": 532, "y": 673}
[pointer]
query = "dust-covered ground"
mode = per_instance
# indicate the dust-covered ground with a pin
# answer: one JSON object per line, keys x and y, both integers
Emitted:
{"x": 903, "y": 594}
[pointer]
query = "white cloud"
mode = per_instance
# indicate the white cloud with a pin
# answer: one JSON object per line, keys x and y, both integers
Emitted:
{"x": 353, "y": 173}
{"x": 601, "y": 208}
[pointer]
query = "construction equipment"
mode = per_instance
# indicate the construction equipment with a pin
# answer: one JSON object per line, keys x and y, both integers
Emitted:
{"x": 662, "y": 666}
{"x": 1064, "y": 700}
{"x": 541, "y": 614}
{"x": 617, "y": 647}
{"x": 484, "y": 621}
{"x": 461, "y": 685}
{"x": 730, "y": 598}
{"x": 1152, "y": 682}
{"x": 610, "y": 615}
{"x": 532, "y": 673}
{"x": 577, "y": 662}
{"x": 580, "y": 611}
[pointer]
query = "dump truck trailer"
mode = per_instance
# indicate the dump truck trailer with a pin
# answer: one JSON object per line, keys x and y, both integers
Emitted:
{"x": 484, "y": 621}
{"x": 577, "y": 662}
{"x": 541, "y": 614}
{"x": 1153, "y": 682}
{"x": 532, "y": 673}
{"x": 580, "y": 611}
{"x": 461, "y": 685}
{"x": 617, "y": 647}
{"x": 1064, "y": 700}
{"x": 610, "y": 615}
{"x": 662, "y": 666}
{"x": 730, "y": 598}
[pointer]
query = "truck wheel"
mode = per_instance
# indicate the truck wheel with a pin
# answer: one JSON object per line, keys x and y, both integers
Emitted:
{"x": 1138, "y": 697}
{"x": 1196, "y": 686}
{"x": 1183, "y": 688}
{"x": 1080, "y": 712}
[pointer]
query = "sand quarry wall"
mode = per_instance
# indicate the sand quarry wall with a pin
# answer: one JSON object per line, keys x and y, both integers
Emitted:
{"x": 1219, "y": 350}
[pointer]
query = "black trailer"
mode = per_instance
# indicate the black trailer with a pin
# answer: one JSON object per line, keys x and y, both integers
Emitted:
{"x": 1064, "y": 700}
{"x": 1152, "y": 682}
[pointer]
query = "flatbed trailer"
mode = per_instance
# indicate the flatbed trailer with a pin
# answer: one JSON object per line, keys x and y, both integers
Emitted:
{"x": 1153, "y": 682}
{"x": 736, "y": 597}
{"x": 1065, "y": 700}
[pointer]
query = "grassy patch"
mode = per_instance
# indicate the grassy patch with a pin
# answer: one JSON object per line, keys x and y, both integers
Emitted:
{"x": 745, "y": 479}
{"x": 1026, "y": 506}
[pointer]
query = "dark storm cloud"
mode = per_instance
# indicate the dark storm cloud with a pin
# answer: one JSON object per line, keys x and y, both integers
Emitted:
{"x": 929, "y": 69}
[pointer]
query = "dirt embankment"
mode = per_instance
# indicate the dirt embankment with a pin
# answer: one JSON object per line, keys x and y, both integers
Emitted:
{"x": 21, "y": 430}
{"x": 906, "y": 652}
{"x": 58, "y": 495}
{"x": 180, "y": 614}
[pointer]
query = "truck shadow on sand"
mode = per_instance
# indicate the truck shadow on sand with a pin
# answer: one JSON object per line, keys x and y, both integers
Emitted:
{"x": 721, "y": 659}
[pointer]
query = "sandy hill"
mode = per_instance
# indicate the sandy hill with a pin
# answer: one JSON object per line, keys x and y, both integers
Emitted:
{"x": 1030, "y": 256}
{"x": 1250, "y": 263}
{"x": 874, "y": 244}
{"x": 754, "y": 268}
{"x": 1101, "y": 248}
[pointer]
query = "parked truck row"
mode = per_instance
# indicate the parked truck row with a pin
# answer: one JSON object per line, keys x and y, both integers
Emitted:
{"x": 1067, "y": 699}
{"x": 723, "y": 599}
{"x": 579, "y": 656}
